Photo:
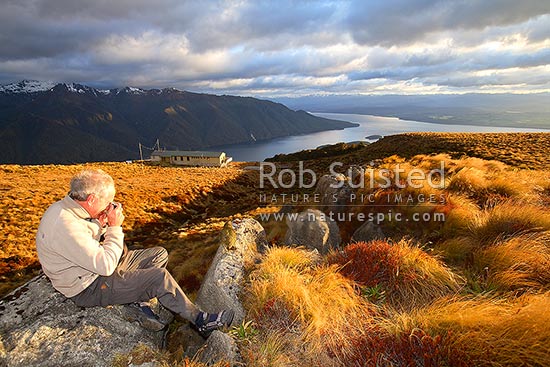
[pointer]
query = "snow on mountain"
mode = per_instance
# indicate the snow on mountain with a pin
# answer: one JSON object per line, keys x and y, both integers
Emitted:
{"x": 131, "y": 90}
{"x": 27, "y": 86}
{"x": 75, "y": 88}
{"x": 33, "y": 86}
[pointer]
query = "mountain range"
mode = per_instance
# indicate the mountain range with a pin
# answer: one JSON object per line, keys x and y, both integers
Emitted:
{"x": 48, "y": 122}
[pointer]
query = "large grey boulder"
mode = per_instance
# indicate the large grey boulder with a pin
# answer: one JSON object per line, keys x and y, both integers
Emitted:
{"x": 219, "y": 347}
{"x": 368, "y": 232}
{"x": 40, "y": 327}
{"x": 222, "y": 285}
{"x": 240, "y": 240}
{"x": 335, "y": 193}
{"x": 314, "y": 230}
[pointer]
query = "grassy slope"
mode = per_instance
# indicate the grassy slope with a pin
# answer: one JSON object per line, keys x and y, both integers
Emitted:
{"x": 492, "y": 248}
{"x": 473, "y": 290}
{"x": 523, "y": 150}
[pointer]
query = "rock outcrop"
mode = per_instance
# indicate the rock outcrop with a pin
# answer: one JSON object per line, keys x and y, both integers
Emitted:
{"x": 367, "y": 232}
{"x": 313, "y": 230}
{"x": 334, "y": 192}
{"x": 240, "y": 241}
{"x": 41, "y": 327}
{"x": 219, "y": 347}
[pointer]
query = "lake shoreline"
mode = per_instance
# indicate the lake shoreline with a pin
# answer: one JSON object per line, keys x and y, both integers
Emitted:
{"x": 369, "y": 125}
{"x": 450, "y": 123}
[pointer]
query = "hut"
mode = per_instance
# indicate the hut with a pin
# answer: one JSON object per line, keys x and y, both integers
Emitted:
{"x": 192, "y": 158}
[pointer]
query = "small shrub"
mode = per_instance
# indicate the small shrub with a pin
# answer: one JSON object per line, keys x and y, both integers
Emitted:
{"x": 369, "y": 264}
{"x": 245, "y": 331}
{"x": 409, "y": 276}
{"x": 414, "y": 348}
{"x": 374, "y": 294}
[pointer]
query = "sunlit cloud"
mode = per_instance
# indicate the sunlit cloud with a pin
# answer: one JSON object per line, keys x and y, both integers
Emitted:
{"x": 281, "y": 48}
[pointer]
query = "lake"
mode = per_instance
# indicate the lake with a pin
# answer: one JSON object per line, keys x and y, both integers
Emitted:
{"x": 368, "y": 125}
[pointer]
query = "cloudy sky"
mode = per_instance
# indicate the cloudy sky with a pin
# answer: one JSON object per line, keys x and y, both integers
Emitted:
{"x": 281, "y": 48}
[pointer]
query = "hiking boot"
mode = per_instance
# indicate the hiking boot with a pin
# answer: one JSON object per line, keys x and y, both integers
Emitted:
{"x": 206, "y": 322}
{"x": 145, "y": 316}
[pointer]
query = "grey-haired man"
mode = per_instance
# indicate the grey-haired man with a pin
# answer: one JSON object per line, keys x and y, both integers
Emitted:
{"x": 80, "y": 246}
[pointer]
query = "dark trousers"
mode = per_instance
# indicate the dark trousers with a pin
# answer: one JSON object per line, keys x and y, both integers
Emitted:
{"x": 140, "y": 276}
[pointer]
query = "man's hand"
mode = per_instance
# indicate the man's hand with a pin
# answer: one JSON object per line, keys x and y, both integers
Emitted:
{"x": 115, "y": 217}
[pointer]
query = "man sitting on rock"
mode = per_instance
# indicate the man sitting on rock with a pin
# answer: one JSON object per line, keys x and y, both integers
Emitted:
{"x": 81, "y": 250}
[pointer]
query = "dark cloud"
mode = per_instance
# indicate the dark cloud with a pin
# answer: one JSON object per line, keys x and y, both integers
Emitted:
{"x": 399, "y": 22}
{"x": 26, "y": 32}
{"x": 263, "y": 25}
{"x": 275, "y": 46}
{"x": 539, "y": 29}
{"x": 425, "y": 67}
{"x": 464, "y": 80}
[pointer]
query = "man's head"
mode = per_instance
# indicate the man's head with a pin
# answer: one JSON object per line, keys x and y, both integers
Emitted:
{"x": 94, "y": 190}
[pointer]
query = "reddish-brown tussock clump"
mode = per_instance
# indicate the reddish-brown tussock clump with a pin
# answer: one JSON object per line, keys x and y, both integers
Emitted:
{"x": 369, "y": 264}
{"x": 406, "y": 275}
{"x": 416, "y": 348}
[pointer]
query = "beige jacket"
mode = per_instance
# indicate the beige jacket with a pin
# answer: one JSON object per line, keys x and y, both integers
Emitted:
{"x": 69, "y": 250}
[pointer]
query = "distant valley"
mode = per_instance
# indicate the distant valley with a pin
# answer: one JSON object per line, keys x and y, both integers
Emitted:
{"x": 506, "y": 110}
{"x": 44, "y": 122}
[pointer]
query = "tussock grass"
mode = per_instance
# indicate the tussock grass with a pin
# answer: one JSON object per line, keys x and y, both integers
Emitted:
{"x": 271, "y": 350}
{"x": 284, "y": 348}
{"x": 409, "y": 276}
{"x": 518, "y": 263}
{"x": 456, "y": 331}
{"x": 313, "y": 302}
{"x": 491, "y": 182}
{"x": 457, "y": 250}
{"x": 306, "y": 291}
{"x": 494, "y": 332}
{"x": 507, "y": 219}
{"x": 470, "y": 185}
{"x": 494, "y": 236}
{"x": 460, "y": 212}
{"x": 297, "y": 259}
{"x": 470, "y": 181}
